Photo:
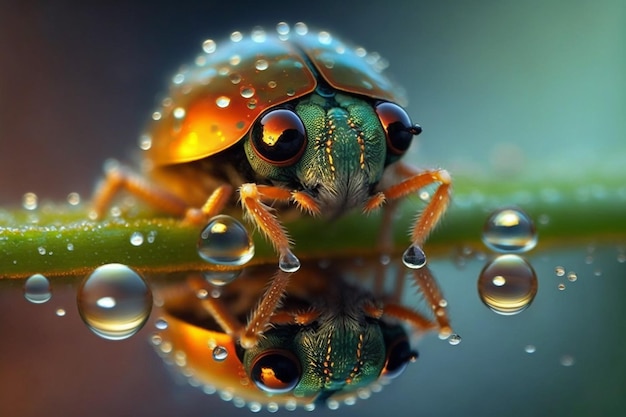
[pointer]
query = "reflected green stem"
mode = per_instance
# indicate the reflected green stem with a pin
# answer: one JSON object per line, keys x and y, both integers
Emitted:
{"x": 57, "y": 240}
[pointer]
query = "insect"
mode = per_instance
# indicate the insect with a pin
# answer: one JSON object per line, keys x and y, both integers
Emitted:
{"x": 293, "y": 118}
{"x": 333, "y": 340}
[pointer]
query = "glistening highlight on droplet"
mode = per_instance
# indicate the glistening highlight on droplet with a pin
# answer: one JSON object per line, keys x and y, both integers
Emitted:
{"x": 509, "y": 230}
{"x": 508, "y": 284}
{"x": 114, "y": 301}
{"x": 225, "y": 241}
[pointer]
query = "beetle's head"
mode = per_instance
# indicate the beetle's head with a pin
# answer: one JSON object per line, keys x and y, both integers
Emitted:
{"x": 334, "y": 147}
{"x": 337, "y": 354}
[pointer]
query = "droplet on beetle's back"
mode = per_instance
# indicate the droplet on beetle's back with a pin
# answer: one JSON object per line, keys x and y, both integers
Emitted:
{"x": 225, "y": 241}
{"x": 508, "y": 284}
{"x": 509, "y": 230}
{"x": 114, "y": 301}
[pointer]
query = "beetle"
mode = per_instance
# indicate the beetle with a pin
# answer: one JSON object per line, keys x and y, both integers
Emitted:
{"x": 292, "y": 117}
{"x": 334, "y": 338}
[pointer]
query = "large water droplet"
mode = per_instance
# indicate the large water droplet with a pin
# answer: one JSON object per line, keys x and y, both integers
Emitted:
{"x": 414, "y": 257}
{"x": 220, "y": 353}
{"x": 508, "y": 284}
{"x": 288, "y": 262}
{"x": 37, "y": 289}
{"x": 114, "y": 301}
{"x": 509, "y": 230}
{"x": 225, "y": 241}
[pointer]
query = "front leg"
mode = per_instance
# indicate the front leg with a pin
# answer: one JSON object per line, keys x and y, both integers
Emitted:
{"x": 252, "y": 199}
{"x": 414, "y": 256}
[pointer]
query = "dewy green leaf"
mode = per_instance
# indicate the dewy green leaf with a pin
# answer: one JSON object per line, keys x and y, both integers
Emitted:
{"x": 59, "y": 240}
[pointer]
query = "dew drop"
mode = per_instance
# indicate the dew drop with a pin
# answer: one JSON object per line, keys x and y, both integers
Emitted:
{"x": 246, "y": 92}
{"x": 41, "y": 250}
{"x": 261, "y": 64}
{"x": 70, "y": 247}
{"x": 572, "y": 277}
{"x": 29, "y": 201}
{"x": 136, "y": 239}
{"x": 225, "y": 241}
{"x": 220, "y": 353}
{"x": 561, "y": 287}
{"x": 567, "y": 360}
{"x": 37, "y": 289}
{"x": 179, "y": 113}
{"x": 222, "y": 102}
{"x": 508, "y": 284}
{"x": 288, "y": 262}
{"x": 559, "y": 271}
{"x": 530, "y": 349}
{"x": 73, "y": 199}
{"x": 221, "y": 278}
{"x": 114, "y": 301}
{"x": 509, "y": 230}
{"x": 60, "y": 312}
{"x": 454, "y": 339}
{"x": 301, "y": 28}
{"x": 161, "y": 324}
{"x": 414, "y": 257}
{"x": 282, "y": 28}
{"x": 209, "y": 46}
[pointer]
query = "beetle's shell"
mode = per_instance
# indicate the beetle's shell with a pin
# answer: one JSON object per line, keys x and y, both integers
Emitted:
{"x": 213, "y": 103}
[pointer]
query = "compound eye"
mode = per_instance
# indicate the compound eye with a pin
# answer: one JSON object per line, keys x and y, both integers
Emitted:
{"x": 276, "y": 371}
{"x": 279, "y": 137}
{"x": 399, "y": 354}
{"x": 398, "y": 127}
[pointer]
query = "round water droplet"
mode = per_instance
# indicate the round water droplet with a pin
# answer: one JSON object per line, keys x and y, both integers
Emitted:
{"x": 225, "y": 241}
{"x": 29, "y": 201}
{"x": 572, "y": 277}
{"x": 136, "y": 239}
{"x": 37, "y": 289}
{"x": 221, "y": 278}
{"x": 222, "y": 102}
{"x": 60, "y": 312}
{"x": 114, "y": 301}
{"x": 288, "y": 262}
{"x": 508, "y": 284}
{"x": 73, "y": 199}
{"x": 530, "y": 349}
{"x": 559, "y": 271}
{"x": 161, "y": 324}
{"x": 567, "y": 360}
{"x": 414, "y": 257}
{"x": 454, "y": 339}
{"x": 509, "y": 230}
{"x": 220, "y": 353}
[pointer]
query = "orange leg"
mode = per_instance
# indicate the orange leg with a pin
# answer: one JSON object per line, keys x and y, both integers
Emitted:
{"x": 118, "y": 179}
{"x": 216, "y": 308}
{"x": 252, "y": 197}
{"x": 414, "y": 256}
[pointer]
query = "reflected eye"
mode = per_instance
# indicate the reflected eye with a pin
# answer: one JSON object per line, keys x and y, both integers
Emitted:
{"x": 398, "y": 127}
{"x": 399, "y": 354}
{"x": 276, "y": 371}
{"x": 279, "y": 137}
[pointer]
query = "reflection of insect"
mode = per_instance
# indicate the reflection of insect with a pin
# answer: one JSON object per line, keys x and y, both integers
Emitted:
{"x": 291, "y": 116}
{"x": 331, "y": 340}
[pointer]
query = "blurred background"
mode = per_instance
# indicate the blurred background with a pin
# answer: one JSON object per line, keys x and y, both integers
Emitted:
{"x": 532, "y": 89}
{"x": 538, "y": 82}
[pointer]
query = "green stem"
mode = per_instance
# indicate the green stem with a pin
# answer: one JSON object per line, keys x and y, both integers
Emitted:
{"x": 58, "y": 240}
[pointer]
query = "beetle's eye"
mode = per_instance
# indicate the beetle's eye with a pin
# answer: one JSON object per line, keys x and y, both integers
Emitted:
{"x": 276, "y": 371}
{"x": 279, "y": 137}
{"x": 399, "y": 354}
{"x": 398, "y": 127}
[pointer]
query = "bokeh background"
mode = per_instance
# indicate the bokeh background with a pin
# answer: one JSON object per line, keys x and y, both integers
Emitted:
{"x": 540, "y": 82}
{"x": 540, "y": 85}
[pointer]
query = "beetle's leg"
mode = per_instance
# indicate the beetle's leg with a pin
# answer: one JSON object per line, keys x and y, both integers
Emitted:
{"x": 433, "y": 296}
{"x": 432, "y": 212}
{"x": 262, "y": 315}
{"x": 216, "y": 308}
{"x": 303, "y": 200}
{"x": 118, "y": 178}
{"x": 407, "y": 315}
{"x": 252, "y": 201}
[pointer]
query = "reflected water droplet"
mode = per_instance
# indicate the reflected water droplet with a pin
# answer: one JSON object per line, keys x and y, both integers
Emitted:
{"x": 567, "y": 360}
{"x": 114, "y": 301}
{"x": 37, "y": 289}
{"x": 221, "y": 278}
{"x": 136, "y": 239}
{"x": 414, "y": 257}
{"x": 288, "y": 262}
{"x": 60, "y": 312}
{"x": 572, "y": 277}
{"x": 559, "y": 271}
{"x": 220, "y": 353}
{"x": 29, "y": 201}
{"x": 508, "y": 284}
{"x": 161, "y": 324}
{"x": 225, "y": 241}
{"x": 530, "y": 349}
{"x": 509, "y": 230}
{"x": 454, "y": 339}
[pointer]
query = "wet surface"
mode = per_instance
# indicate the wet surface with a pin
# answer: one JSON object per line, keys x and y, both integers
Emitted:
{"x": 560, "y": 356}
